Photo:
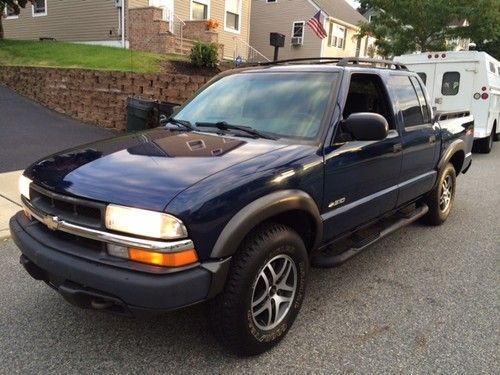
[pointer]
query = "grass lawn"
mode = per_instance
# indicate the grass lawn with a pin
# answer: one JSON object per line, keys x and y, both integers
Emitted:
{"x": 70, "y": 55}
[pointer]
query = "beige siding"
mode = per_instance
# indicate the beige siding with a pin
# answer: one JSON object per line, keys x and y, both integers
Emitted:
{"x": 217, "y": 9}
{"x": 70, "y": 20}
{"x": 279, "y": 17}
{"x": 138, "y": 3}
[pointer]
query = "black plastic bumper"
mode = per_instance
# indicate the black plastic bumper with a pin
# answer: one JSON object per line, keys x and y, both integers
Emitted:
{"x": 94, "y": 285}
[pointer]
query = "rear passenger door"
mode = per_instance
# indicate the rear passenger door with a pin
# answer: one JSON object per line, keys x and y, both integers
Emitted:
{"x": 420, "y": 137}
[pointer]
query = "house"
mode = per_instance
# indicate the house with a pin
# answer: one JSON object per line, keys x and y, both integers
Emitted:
{"x": 167, "y": 26}
{"x": 289, "y": 17}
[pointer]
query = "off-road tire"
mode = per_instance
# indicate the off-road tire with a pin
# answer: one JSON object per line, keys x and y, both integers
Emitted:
{"x": 436, "y": 215}
{"x": 231, "y": 312}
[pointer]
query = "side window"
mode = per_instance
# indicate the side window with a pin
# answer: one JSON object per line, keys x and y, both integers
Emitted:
{"x": 423, "y": 77}
{"x": 421, "y": 98}
{"x": 451, "y": 83}
{"x": 492, "y": 67}
{"x": 407, "y": 100}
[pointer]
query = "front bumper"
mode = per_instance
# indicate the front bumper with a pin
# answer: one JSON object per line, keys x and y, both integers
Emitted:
{"x": 91, "y": 284}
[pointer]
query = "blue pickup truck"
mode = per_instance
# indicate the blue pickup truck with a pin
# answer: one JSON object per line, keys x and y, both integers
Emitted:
{"x": 265, "y": 171}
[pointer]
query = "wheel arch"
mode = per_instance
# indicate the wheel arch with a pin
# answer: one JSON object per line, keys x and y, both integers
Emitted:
{"x": 454, "y": 154}
{"x": 295, "y": 208}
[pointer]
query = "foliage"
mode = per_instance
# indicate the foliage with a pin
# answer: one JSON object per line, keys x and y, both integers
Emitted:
{"x": 71, "y": 55}
{"x": 408, "y": 25}
{"x": 16, "y": 5}
{"x": 212, "y": 24}
{"x": 205, "y": 55}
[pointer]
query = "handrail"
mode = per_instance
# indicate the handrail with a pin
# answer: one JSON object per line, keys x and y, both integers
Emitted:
{"x": 181, "y": 27}
{"x": 251, "y": 50}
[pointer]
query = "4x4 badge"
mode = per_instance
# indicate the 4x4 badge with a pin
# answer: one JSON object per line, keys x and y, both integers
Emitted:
{"x": 52, "y": 222}
{"x": 337, "y": 202}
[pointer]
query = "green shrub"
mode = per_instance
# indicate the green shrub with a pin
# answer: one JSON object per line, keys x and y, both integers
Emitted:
{"x": 205, "y": 55}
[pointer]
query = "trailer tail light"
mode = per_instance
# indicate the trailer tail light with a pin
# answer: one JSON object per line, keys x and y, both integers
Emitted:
{"x": 485, "y": 96}
{"x": 477, "y": 96}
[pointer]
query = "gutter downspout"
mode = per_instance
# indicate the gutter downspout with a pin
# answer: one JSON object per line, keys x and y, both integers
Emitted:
{"x": 123, "y": 22}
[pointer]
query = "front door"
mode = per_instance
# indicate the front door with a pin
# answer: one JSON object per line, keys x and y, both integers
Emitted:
{"x": 361, "y": 177}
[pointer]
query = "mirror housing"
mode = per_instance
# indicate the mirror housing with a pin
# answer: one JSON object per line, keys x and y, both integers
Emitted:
{"x": 366, "y": 126}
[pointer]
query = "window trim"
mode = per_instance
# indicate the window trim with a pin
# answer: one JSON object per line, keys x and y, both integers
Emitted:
{"x": 33, "y": 14}
{"x": 422, "y": 79}
{"x": 240, "y": 7}
{"x": 332, "y": 37}
{"x": 204, "y": 2}
{"x": 303, "y": 30}
{"x": 442, "y": 81}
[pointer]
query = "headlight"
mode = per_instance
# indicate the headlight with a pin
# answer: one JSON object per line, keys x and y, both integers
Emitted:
{"x": 24, "y": 186}
{"x": 144, "y": 222}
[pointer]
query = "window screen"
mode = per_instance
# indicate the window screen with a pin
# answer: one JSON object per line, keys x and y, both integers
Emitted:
{"x": 199, "y": 11}
{"x": 407, "y": 100}
{"x": 423, "y": 77}
{"x": 421, "y": 98}
{"x": 451, "y": 83}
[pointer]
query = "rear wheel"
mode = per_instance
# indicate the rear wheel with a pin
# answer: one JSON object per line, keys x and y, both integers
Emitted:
{"x": 264, "y": 290}
{"x": 484, "y": 145}
{"x": 440, "y": 200}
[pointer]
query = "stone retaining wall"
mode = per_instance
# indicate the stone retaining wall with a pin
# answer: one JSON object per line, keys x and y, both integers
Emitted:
{"x": 97, "y": 97}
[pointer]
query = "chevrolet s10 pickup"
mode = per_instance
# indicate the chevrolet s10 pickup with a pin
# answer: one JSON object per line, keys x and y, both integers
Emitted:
{"x": 265, "y": 171}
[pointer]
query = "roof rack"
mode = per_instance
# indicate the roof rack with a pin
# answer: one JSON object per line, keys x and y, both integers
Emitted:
{"x": 341, "y": 61}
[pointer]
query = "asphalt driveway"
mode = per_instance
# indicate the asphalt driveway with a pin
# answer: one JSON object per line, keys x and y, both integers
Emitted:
{"x": 424, "y": 300}
{"x": 29, "y": 131}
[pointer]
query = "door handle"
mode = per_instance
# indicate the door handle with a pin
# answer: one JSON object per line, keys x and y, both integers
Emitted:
{"x": 432, "y": 139}
{"x": 398, "y": 147}
{"x": 438, "y": 100}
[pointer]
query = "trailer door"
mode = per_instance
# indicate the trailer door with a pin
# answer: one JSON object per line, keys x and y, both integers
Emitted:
{"x": 453, "y": 87}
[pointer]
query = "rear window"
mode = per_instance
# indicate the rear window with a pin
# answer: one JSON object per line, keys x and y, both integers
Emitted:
{"x": 423, "y": 77}
{"x": 451, "y": 83}
{"x": 407, "y": 100}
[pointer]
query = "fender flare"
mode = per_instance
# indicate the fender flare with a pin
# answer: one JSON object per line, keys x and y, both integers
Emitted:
{"x": 258, "y": 211}
{"x": 454, "y": 147}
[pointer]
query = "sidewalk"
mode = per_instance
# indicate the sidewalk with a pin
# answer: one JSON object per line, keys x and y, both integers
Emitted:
{"x": 28, "y": 132}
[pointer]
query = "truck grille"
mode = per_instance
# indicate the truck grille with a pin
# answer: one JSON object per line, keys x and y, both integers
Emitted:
{"x": 74, "y": 210}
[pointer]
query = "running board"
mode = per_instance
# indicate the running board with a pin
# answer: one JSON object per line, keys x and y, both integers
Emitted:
{"x": 325, "y": 258}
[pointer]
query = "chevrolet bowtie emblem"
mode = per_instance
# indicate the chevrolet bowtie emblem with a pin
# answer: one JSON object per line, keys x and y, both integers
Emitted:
{"x": 52, "y": 222}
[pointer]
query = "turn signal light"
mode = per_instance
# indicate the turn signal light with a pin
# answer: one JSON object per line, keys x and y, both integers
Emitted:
{"x": 182, "y": 258}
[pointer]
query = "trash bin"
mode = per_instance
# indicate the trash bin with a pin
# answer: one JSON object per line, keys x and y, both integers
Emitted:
{"x": 139, "y": 110}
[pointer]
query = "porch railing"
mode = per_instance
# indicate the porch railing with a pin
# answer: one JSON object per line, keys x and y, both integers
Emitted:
{"x": 247, "y": 52}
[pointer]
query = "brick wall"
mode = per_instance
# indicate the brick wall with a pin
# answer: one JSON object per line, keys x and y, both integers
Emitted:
{"x": 97, "y": 97}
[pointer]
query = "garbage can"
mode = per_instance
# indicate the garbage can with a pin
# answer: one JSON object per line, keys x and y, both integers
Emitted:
{"x": 139, "y": 110}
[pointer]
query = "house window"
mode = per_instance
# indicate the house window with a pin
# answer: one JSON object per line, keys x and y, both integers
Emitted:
{"x": 199, "y": 10}
{"x": 39, "y": 8}
{"x": 10, "y": 12}
{"x": 298, "y": 33}
{"x": 233, "y": 13}
{"x": 336, "y": 36}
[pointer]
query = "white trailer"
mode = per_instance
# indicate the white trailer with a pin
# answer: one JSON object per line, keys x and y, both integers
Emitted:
{"x": 463, "y": 81}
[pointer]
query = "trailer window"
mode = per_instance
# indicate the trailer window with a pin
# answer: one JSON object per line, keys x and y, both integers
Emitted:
{"x": 423, "y": 77}
{"x": 451, "y": 83}
{"x": 492, "y": 67}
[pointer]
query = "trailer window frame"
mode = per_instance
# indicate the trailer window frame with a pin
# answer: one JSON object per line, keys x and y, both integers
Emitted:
{"x": 450, "y": 91}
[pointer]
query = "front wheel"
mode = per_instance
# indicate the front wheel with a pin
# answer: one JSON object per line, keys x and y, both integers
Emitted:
{"x": 440, "y": 199}
{"x": 264, "y": 290}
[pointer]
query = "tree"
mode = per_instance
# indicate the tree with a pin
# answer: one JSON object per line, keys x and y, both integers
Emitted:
{"x": 12, "y": 4}
{"x": 408, "y": 25}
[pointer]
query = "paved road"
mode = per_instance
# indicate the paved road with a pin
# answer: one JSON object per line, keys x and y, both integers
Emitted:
{"x": 424, "y": 300}
{"x": 29, "y": 131}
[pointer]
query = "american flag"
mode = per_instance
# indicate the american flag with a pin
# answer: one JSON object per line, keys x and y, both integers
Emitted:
{"x": 315, "y": 24}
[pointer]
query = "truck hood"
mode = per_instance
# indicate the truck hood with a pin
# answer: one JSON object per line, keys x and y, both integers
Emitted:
{"x": 145, "y": 170}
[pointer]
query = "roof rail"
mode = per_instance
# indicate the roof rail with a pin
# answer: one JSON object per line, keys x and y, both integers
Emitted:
{"x": 341, "y": 61}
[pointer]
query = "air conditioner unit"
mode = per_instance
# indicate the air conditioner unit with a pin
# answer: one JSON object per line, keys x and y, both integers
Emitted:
{"x": 118, "y": 3}
{"x": 297, "y": 41}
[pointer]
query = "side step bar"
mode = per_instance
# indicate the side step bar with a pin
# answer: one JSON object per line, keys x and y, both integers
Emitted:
{"x": 326, "y": 258}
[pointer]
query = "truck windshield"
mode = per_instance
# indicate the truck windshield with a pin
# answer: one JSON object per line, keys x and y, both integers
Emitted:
{"x": 290, "y": 105}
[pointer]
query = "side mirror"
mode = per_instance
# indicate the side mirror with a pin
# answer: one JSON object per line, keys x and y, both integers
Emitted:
{"x": 366, "y": 126}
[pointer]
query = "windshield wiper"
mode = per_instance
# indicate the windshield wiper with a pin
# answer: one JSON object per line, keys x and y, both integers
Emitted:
{"x": 223, "y": 125}
{"x": 184, "y": 123}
